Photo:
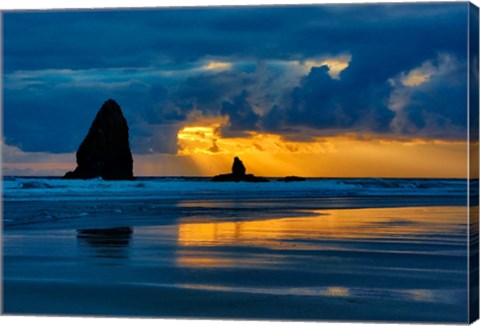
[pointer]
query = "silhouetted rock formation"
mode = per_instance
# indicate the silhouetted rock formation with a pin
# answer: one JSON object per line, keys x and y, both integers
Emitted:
{"x": 238, "y": 174}
{"x": 238, "y": 168}
{"x": 292, "y": 179}
{"x": 105, "y": 151}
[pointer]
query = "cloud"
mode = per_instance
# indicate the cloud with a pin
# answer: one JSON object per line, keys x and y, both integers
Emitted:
{"x": 335, "y": 64}
{"x": 140, "y": 38}
{"x": 307, "y": 69}
{"x": 330, "y": 106}
{"x": 418, "y": 76}
{"x": 211, "y": 140}
{"x": 17, "y": 162}
{"x": 154, "y": 138}
{"x": 217, "y": 65}
{"x": 241, "y": 116}
{"x": 440, "y": 66}
{"x": 430, "y": 100}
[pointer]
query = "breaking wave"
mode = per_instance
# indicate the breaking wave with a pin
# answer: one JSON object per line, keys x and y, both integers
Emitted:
{"x": 24, "y": 188}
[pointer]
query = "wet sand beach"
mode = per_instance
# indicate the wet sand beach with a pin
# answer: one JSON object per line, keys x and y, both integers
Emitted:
{"x": 225, "y": 259}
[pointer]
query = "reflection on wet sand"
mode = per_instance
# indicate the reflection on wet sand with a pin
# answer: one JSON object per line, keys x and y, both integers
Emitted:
{"x": 441, "y": 296}
{"x": 395, "y": 224}
{"x": 105, "y": 243}
{"x": 411, "y": 254}
{"x": 385, "y": 228}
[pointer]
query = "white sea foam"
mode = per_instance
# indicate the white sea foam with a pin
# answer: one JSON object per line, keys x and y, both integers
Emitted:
{"x": 21, "y": 188}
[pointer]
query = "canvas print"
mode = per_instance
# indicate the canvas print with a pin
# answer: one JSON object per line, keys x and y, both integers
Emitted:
{"x": 307, "y": 162}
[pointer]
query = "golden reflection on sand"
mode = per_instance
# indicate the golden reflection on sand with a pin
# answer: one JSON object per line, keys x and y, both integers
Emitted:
{"x": 337, "y": 292}
{"x": 192, "y": 259}
{"x": 328, "y": 224}
{"x": 417, "y": 295}
{"x": 329, "y": 291}
{"x": 421, "y": 295}
{"x": 393, "y": 225}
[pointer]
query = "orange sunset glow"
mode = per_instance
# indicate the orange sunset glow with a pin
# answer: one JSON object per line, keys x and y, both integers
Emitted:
{"x": 204, "y": 151}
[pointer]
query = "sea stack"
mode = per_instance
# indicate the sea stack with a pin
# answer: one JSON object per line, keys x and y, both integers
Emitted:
{"x": 105, "y": 151}
{"x": 238, "y": 174}
{"x": 238, "y": 168}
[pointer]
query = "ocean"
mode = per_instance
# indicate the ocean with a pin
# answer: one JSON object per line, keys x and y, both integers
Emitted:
{"x": 338, "y": 249}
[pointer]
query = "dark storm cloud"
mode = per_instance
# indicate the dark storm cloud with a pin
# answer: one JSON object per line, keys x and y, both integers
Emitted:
{"x": 241, "y": 115}
{"x": 138, "y": 38}
{"x": 434, "y": 107}
{"x": 61, "y": 66}
{"x": 321, "y": 102}
{"x": 438, "y": 108}
{"x": 207, "y": 91}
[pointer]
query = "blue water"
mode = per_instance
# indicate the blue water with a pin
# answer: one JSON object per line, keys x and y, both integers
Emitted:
{"x": 28, "y": 200}
{"x": 28, "y": 188}
{"x": 323, "y": 249}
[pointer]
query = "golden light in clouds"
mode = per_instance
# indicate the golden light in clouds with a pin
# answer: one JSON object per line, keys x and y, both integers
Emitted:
{"x": 335, "y": 65}
{"x": 217, "y": 65}
{"x": 207, "y": 140}
{"x": 422, "y": 74}
{"x": 203, "y": 151}
{"x": 340, "y": 156}
{"x": 416, "y": 77}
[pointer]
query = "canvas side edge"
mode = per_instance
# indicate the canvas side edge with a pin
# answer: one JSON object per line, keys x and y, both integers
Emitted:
{"x": 2, "y": 13}
{"x": 473, "y": 157}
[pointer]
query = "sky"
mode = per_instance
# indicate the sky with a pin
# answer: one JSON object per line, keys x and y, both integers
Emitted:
{"x": 372, "y": 90}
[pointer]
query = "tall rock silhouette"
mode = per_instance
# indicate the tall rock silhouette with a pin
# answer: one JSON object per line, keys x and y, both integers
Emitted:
{"x": 105, "y": 151}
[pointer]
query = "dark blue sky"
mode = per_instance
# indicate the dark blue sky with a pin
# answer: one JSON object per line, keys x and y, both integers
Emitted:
{"x": 268, "y": 69}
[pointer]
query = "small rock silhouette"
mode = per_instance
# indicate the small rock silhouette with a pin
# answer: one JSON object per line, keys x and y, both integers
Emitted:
{"x": 238, "y": 174}
{"x": 238, "y": 168}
